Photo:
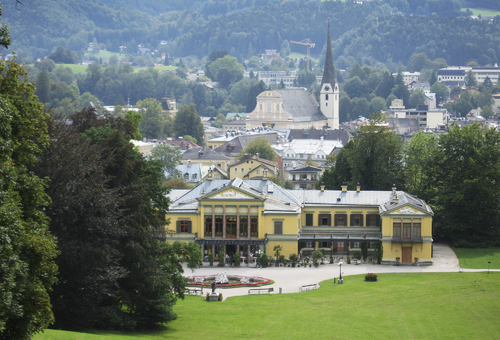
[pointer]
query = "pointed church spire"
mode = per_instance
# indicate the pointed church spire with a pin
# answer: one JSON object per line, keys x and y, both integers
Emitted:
{"x": 329, "y": 74}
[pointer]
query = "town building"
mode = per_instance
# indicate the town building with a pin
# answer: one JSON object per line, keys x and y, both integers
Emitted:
{"x": 205, "y": 156}
{"x": 247, "y": 216}
{"x": 408, "y": 77}
{"x": 253, "y": 167}
{"x": 297, "y": 109}
{"x": 455, "y": 75}
{"x": 303, "y": 176}
{"x": 316, "y": 150}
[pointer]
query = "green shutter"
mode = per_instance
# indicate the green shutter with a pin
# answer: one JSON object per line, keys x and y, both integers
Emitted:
{"x": 189, "y": 227}
{"x": 361, "y": 220}
{"x": 378, "y": 221}
{"x": 335, "y": 220}
{"x": 319, "y": 219}
{"x": 178, "y": 227}
{"x": 351, "y": 220}
{"x": 329, "y": 220}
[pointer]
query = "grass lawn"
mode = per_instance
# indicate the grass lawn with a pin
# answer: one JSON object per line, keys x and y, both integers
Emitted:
{"x": 477, "y": 258}
{"x": 483, "y": 11}
{"x": 77, "y": 69}
{"x": 398, "y": 306}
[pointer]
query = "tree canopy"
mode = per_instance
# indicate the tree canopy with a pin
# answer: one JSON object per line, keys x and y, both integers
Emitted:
{"x": 260, "y": 146}
{"x": 187, "y": 122}
{"x": 372, "y": 159}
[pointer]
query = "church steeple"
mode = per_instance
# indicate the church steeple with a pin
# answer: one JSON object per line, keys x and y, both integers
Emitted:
{"x": 329, "y": 93}
{"x": 329, "y": 74}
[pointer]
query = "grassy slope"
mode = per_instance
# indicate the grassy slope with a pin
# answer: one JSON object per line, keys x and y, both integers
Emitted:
{"x": 477, "y": 258}
{"x": 399, "y": 306}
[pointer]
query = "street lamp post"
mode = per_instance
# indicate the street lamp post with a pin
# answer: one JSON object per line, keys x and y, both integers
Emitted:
{"x": 340, "y": 277}
{"x": 489, "y": 262}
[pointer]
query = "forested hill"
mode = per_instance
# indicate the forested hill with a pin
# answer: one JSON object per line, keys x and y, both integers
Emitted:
{"x": 266, "y": 27}
{"x": 205, "y": 8}
{"x": 458, "y": 40}
{"x": 378, "y": 31}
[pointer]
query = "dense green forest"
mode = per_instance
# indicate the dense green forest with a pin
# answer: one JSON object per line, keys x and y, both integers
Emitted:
{"x": 382, "y": 31}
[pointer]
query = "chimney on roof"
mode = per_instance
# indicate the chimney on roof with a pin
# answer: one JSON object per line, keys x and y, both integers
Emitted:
{"x": 322, "y": 187}
{"x": 257, "y": 155}
{"x": 265, "y": 174}
{"x": 344, "y": 187}
{"x": 209, "y": 174}
{"x": 358, "y": 188}
{"x": 394, "y": 188}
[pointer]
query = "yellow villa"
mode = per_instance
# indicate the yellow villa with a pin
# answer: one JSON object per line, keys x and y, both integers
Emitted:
{"x": 251, "y": 215}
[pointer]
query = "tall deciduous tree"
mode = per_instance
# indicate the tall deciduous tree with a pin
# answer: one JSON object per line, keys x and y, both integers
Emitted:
{"x": 27, "y": 249}
{"x": 463, "y": 186}
{"x": 418, "y": 154}
{"x": 154, "y": 279}
{"x": 169, "y": 156}
{"x": 372, "y": 159}
{"x": 86, "y": 218}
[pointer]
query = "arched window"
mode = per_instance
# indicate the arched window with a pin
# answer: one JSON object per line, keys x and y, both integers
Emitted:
{"x": 195, "y": 176}
{"x": 186, "y": 176}
{"x": 326, "y": 97}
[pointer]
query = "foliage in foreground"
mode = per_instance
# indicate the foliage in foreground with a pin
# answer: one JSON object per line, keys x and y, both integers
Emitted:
{"x": 108, "y": 211}
{"x": 27, "y": 250}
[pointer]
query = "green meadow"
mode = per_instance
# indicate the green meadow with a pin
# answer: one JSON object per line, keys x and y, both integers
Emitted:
{"x": 484, "y": 12}
{"x": 478, "y": 258}
{"x": 398, "y": 306}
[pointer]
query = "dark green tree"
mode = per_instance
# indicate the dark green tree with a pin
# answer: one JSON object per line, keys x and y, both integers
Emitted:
{"x": 470, "y": 79}
{"x": 42, "y": 82}
{"x": 86, "y": 218}
{"x": 62, "y": 56}
{"x": 400, "y": 90}
{"x": 418, "y": 154}
{"x": 440, "y": 90}
{"x": 463, "y": 186}
{"x": 188, "y": 122}
{"x": 154, "y": 280}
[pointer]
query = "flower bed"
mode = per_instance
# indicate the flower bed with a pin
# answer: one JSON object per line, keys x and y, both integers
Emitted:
{"x": 254, "y": 281}
{"x": 371, "y": 277}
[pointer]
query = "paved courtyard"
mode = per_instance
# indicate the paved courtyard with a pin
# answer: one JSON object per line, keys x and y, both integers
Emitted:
{"x": 291, "y": 279}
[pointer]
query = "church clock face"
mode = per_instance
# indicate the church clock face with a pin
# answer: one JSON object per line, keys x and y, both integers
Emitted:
{"x": 327, "y": 88}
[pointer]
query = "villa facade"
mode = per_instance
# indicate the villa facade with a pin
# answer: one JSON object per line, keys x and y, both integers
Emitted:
{"x": 251, "y": 215}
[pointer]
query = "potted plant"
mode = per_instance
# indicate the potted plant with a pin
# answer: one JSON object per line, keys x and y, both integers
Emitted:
{"x": 371, "y": 277}
{"x": 293, "y": 258}
{"x": 211, "y": 259}
{"x": 317, "y": 255}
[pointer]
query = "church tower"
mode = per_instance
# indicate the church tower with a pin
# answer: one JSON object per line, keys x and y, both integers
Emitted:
{"x": 329, "y": 94}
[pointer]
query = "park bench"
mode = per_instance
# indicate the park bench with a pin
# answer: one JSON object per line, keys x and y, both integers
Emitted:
{"x": 261, "y": 290}
{"x": 194, "y": 291}
{"x": 308, "y": 287}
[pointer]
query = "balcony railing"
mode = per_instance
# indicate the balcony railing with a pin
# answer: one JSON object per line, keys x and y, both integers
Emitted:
{"x": 400, "y": 239}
